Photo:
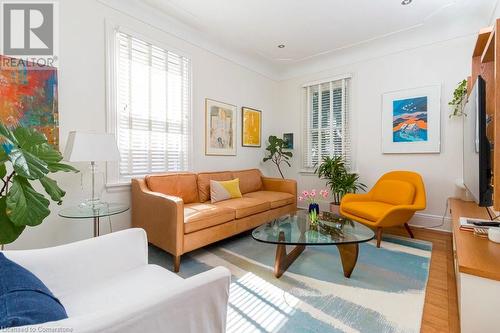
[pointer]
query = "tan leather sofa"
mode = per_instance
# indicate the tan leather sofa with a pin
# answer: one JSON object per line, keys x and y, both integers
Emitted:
{"x": 176, "y": 212}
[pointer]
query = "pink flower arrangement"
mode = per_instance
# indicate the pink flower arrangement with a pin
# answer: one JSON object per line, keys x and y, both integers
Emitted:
{"x": 313, "y": 195}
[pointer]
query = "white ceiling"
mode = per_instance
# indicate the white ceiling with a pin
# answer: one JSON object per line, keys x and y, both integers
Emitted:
{"x": 312, "y": 27}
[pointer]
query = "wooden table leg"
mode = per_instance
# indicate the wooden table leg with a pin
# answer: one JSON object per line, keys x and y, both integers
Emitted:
{"x": 284, "y": 260}
{"x": 349, "y": 257}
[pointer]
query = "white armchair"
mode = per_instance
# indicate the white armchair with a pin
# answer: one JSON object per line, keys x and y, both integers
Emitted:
{"x": 106, "y": 285}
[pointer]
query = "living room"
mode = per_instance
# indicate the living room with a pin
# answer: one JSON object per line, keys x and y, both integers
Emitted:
{"x": 163, "y": 128}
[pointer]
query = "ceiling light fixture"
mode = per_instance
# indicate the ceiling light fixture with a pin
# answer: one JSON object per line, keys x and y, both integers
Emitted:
{"x": 406, "y": 2}
{"x": 281, "y": 46}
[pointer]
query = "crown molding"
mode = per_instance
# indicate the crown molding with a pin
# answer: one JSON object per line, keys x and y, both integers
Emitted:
{"x": 422, "y": 35}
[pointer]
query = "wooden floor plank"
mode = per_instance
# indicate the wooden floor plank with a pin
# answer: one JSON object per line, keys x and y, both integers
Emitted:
{"x": 440, "y": 308}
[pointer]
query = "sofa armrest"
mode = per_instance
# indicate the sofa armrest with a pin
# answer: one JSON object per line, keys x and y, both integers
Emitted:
{"x": 280, "y": 185}
{"x": 198, "y": 304}
{"x": 162, "y": 216}
{"x": 73, "y": 266}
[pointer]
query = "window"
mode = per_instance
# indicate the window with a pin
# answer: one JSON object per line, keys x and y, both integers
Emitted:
{"x": 153, "y": 107}
{"x": 326, "y": 122}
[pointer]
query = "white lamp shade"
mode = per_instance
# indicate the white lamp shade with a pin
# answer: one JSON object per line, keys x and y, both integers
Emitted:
{"x": 91, "y": 147}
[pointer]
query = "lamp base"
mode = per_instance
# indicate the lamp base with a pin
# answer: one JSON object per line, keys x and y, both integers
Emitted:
{"x": 94, "y": 203}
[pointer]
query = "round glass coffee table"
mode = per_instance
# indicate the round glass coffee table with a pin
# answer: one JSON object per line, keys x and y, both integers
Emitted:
{"x": 297, "y": 229}
{"x": 93, "y": 212}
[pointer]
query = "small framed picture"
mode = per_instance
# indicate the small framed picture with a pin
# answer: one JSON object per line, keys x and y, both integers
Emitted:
{"x": 288, "y": 138}
{"x": 220, "y": 131}
{"x": 251, "y": 127}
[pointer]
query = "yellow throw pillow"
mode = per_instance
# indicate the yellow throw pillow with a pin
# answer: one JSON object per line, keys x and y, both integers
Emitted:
{"x": 224, "y": 190}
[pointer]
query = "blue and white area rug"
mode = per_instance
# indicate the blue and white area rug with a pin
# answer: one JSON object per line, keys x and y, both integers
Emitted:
{"x": 385, "y": 293}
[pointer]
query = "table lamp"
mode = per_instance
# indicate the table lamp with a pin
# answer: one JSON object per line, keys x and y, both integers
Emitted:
{"x": 91, "y": 147}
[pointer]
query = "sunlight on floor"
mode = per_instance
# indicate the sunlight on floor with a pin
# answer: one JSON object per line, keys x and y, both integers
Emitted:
{"x": 258, "y": 306}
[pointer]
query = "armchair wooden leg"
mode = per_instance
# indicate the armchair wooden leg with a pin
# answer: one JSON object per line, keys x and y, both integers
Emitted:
{"x": 177, "y": 263}
{"x": 407, "y": 227}
{"x": 379, "y": 236}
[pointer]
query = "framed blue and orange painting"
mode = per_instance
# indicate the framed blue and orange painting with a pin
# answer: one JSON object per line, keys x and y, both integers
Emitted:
{"x": 28, "y": 97}
{"x": 411, "y": 120}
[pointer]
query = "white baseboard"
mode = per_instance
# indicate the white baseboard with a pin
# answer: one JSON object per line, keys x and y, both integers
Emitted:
{"x": 422, "y": 220}
{"x": 419, "y": 220}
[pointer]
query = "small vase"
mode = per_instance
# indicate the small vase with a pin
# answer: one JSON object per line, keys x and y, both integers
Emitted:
{"x": 314, "y": 207}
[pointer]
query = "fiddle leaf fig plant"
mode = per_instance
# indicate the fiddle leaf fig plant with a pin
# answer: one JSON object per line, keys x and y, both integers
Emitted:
{"x": 459, "y": 96}
{"x": 26, "y": 158}
{"x": 276, "y": 153}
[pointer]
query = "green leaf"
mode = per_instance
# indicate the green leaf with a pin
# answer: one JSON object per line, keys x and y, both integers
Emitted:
{"x": 55, "y": 192}
{"x": 3, "y": 170}
{"x": 28, "y": 137}
{"x": 25, "y": 206}
{"x": 52, "y": 157}
{"x": 27, "y": 165}
{"x": 45, "y": 152}
{"x": 55, "y": 167}
{"x": 7, "y": 133}
{"x": 3, "y": 155}
{"x": 9, "y": 232}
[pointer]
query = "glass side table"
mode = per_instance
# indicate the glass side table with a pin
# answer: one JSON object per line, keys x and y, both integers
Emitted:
{"x": 87, "y": 212}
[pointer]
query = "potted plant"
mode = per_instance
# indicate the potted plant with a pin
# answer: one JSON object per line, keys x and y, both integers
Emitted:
{"x": 26, "y": 157}
{"x": 459, "y": 98}
{"x": 338, "y": 179}
{"x": 276, "y": 154}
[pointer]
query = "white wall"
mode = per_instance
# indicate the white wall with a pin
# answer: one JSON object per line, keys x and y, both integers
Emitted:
{"x": 82, "y": 103}
{"x": 444, "y": 63}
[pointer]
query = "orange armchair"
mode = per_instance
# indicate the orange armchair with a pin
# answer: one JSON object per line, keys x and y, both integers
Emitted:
{"x": 393, "y": 200}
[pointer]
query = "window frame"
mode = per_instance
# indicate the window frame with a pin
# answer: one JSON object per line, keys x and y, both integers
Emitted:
{"x": 306, "y": 112}
{"x": 112, "y": 173}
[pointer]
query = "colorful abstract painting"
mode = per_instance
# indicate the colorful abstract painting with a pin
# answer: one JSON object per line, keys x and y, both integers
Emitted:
{"x": 409, "y": 119}
{"x": 220, "y": 128}
{"x": 251, "y": 127}
{"x": 28, "y": 97}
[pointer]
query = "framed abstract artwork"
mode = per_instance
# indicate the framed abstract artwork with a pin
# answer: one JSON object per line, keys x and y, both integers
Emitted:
{"x": 411, "y": 121}
{"x": 220, "y": 128}
{"x": 251, "y": 127}
{"x": 28, "y": 97}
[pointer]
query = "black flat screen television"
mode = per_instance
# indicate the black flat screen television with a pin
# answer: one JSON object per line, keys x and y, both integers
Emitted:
{"x": 477, "y": 148}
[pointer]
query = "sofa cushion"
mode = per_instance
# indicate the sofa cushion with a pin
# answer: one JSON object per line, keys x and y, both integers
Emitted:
{"x": 198, "y": 216}
{"x": 181, "y": 185}
{"x": 135, "y": 289}
{"x": 245, "y": 206}
{"x": 394, "y": 192}
{"x": 276, "y": 199}
{"x": 204, "y": 179}
{"x": 228, "y": 189}
{"x": 24, "y": 299}
{"x": 369, "y": 210}
{"x": 250, "y": 180}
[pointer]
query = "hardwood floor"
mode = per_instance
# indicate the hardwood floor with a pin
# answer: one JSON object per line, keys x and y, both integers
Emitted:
{"x": 440, "y": 308}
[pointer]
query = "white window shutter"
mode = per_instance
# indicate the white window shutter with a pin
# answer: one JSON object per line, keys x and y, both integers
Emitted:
{"x": 326, "y": 122}
{"x": 153, "y": 108}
